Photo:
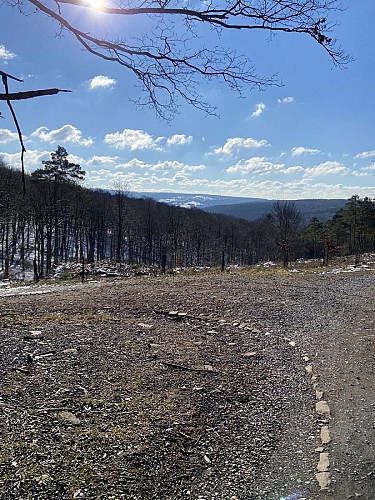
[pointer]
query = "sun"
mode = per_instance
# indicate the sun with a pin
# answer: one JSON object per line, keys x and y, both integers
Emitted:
{"x": 96, "y": 4}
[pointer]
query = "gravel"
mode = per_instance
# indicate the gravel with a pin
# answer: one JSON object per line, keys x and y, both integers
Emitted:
{"x": 105, "y": 394}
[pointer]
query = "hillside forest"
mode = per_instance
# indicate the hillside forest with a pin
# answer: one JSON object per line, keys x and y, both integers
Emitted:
{"x": 58, "y": 221}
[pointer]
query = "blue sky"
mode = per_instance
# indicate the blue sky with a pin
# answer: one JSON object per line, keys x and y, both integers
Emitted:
{"x": 314, "y": 137}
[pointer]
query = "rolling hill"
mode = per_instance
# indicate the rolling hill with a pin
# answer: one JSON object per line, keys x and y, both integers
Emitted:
{"x": 322, "y": 209}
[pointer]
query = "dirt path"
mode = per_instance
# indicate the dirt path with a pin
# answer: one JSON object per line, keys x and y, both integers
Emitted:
{"x": 214, "y": 403}
{"x": 333, "y": 319}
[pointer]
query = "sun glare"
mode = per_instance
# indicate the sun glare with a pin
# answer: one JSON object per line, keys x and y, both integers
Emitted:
{"x": 96, "y": 4}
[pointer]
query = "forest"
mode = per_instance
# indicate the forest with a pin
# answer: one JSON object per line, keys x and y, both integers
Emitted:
{"x": 58, "y": 221}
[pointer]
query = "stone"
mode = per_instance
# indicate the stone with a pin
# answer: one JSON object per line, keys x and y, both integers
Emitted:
{"x": 318, "y": 394}
{"x": 69, "y": 418}
{"x": 145, "y": 325}
{"x": 322, "y": 409}
{"x": 325, "y": 435}
{"x": 70, "y": 351}
{"x": 309, "y": 369}
{"x": 249, "y": 354}
{"x": 323, "y": 464}
{"x": 324, "y": 480}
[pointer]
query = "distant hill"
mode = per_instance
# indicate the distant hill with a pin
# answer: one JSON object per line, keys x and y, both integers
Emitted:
{"x": 190, "y": 200}
{"x": 321, "y": 209}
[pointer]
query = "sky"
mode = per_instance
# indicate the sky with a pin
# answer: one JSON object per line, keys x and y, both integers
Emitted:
{"x": 311, "y": 137}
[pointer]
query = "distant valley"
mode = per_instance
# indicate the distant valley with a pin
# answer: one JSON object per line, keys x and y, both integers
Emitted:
{"x": 189, "y": 200}
{"x": 245, "y": 208}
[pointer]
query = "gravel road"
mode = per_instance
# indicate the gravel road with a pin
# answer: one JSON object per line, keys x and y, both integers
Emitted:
{"x": 220, "y": 399}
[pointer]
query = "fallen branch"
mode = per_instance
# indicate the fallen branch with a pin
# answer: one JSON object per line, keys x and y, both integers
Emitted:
{"x": 187, "y": 368}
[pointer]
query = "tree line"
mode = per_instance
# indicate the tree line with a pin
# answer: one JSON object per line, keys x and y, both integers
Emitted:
{"x": 58, "y": 221}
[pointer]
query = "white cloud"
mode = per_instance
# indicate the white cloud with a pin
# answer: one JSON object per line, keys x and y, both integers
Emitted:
{"x": 286, "y": 100}
{"x": 165, "y": 166}
{"x": 67, "y": 133}
{"x": 134, "y": 163}
{"x": 132, "y": 139}
{"x": 300, "y": 150}
{"x": 101, "y": 81}
{"x": 179, "y": 139}
{"x": 76, "y": 159}
{"x": 102, "y": 160}
{"x": 255, "y": 165}
{"x": 7, "y": 136}
{"x": 327, "y": 168}
{"x": 145, "y": 180}
{"x": 176, "y": 166}
{"x": 258, "y": 110}
{"x": 356, "y": 173}
{"x": 234, "y": 144}
{"x": 5, "y": 54}
{"x": 366, "y": 154}
{"x": 33, "y": 159}
{"x": 292, "y": 170}
{"x": 370, "y": 168}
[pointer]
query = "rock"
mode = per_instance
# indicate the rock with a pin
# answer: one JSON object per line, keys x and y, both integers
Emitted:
{"x": 320, "y": 449}
{"x": 309, "y": 369}
{"x": 211, "y": 332}
{"x": 318, "y": 394}
{"x": 145, "y": 325}
{"x": 73, "y": 350}
{"x": 325, "y": 435}
{"x": 292, "y": 343}
{"x": 208, "y": 368}
{"x": 323, "y": 464}
{"x": 324, "y": 480}
{"x": 43, "y": 479}
{"x": 173, "y": 313}
{"x": 249, "y": 354}
{"x": 34, "y": 335}
{"x": 322, "y": 409}
{"x": 69, "y": 418}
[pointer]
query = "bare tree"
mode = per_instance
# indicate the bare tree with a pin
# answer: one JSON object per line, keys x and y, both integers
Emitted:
{"x": 181, "y": 43}
{"x": 287, "y": 222}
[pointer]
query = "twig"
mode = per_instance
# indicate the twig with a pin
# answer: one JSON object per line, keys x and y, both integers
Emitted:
{"x": 59, "y": 408}
{"x": 187, "y": 368}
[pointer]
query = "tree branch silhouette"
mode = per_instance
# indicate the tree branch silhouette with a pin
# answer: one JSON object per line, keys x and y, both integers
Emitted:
{"x": 170, "y": 58}
{"x": 8, "y": 97}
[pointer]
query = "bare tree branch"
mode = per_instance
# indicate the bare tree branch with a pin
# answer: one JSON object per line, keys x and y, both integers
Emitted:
{"x": 8, "y": 97}
{"x": 172, "y": 56}
{"x": 29, "y": 94}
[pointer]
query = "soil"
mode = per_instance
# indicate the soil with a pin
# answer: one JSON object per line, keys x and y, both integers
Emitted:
{"x": 181, "y": 387}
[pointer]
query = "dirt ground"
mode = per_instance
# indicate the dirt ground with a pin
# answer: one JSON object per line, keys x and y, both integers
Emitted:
{"x": 183, "y": 387}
